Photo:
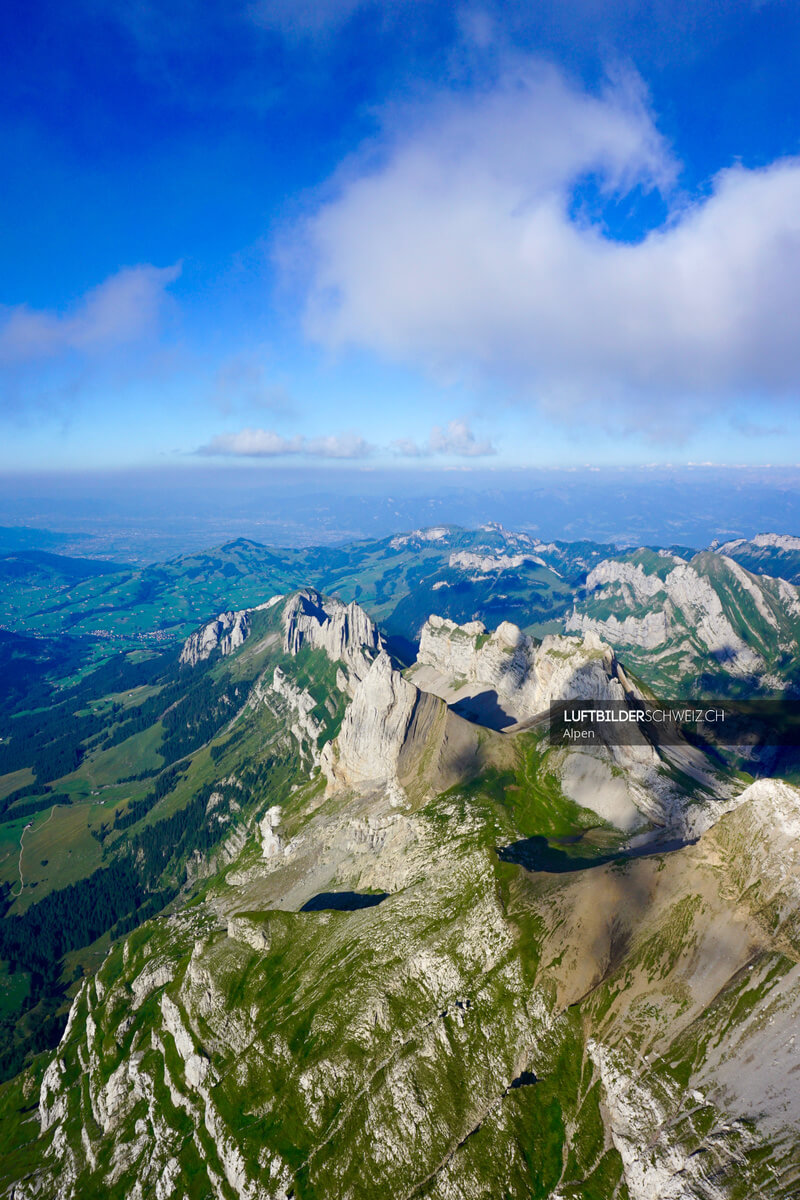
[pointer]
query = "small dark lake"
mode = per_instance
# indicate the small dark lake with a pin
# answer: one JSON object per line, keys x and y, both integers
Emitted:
{"x": 343, "y": 901}
{"x": 524, "y": 1079}
{"x": 541, "y": 854}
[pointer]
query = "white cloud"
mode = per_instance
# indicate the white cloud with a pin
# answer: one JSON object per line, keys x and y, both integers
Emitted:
{"x": 264, "y": 443}
{"x": 123, "y": 309}
{"x": 454, "y": 245}
{"x": 456, "y": 438}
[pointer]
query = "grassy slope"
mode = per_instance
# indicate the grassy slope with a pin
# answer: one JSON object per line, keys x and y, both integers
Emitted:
{"x": 321, "y": 974}
{"x": 64, "y": 843}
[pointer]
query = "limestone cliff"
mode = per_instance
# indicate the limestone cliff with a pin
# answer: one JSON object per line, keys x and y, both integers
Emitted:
{"x": 225, "y": 633}
{"x": 457, "y": 661}
{"x": 678, "y": 621}
{"x": 773, "y": 554}
{"x": 390, "y": 727}
{"x": 343, "y": 631}
{"x": 505, "y": 678}
{"x": 682, "y": 591}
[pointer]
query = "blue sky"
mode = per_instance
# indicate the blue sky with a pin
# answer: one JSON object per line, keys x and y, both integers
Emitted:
{"x": 414, "y": 234}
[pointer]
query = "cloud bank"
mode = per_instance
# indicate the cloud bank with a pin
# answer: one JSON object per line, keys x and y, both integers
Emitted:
{"x": 264, "y": 443}
{"x": 456, "y": 438}
{"x": 123, "y": 309}
{"x": 453, "y": 440}
{"x": 459, "y": 244}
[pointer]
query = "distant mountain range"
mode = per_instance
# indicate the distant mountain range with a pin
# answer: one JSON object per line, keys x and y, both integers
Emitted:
{"x": 705, "y": 623}
{"x": 148, "y": 516}
{"x": 680, "y": 617}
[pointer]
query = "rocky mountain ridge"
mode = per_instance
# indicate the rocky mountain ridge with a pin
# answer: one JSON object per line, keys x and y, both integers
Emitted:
{"x": 525, "y": 676}
{"x": 343, "y": 631}
{"x": 508, "y": 680}
{"x": 225, "y": 633}
{"x": 680, "y": 621}
{"x": 390, "y": 728}
{"x": 776, "y": 554}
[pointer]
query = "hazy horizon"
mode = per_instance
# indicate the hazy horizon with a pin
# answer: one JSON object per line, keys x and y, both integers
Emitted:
{"x": 147, "y": 515}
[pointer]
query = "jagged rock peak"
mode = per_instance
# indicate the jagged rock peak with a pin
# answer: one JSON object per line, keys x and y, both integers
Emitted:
{"x": 225, "y": 633}
{"x": 526, "y": 677}
{"x": 343, "y": 631}
{"x": 374, "y": 728}
{"x": 395, "y": 736}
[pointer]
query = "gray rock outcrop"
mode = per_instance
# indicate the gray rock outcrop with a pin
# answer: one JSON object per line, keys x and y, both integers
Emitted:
{"x": 225, "y": 633}
{"x": 343, "y": 631}
{"x": 375, "y": 726}
{"x": 661, "y": 610}
{"x": 458, "y": 660}
{"x": 394, "y": 735}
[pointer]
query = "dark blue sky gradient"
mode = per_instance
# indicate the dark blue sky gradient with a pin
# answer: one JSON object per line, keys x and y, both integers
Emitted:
{"x": 184, "y": 136}
{"x": 158, "y": 133}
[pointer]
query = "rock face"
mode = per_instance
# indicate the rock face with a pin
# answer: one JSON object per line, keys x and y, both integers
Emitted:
{"x": 389, "y": 727}
{"x": 525, "y": 678}
{"x": 504, "y": 679}
{"x": 465, "y": 560}
{"x": 762, "y": 541}
{"x": 780, "y": 541}
{"x": 682, "y": 591}
{"x": 776, "y": 554}
{"x": 375, "y": 725}
{"x": 343, "y": 631}
{"x": 301, "y": 705}
{"x": 374, "y": 729}
{"x": 225, "y": 633}
{"x": 678, "y": 621}
{"x": 271, "y": 841}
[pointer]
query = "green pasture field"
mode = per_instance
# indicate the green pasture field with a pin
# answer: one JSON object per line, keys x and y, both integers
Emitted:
{"x": 13, "y": 780}
{"x": 58, "y": 850}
